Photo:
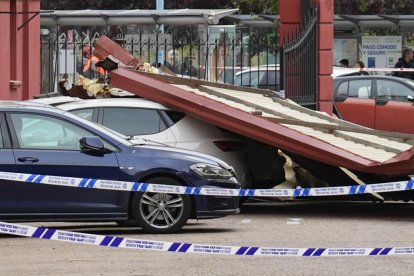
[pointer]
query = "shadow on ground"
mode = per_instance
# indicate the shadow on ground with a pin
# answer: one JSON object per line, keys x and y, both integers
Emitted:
{"x": 383, "y": 211}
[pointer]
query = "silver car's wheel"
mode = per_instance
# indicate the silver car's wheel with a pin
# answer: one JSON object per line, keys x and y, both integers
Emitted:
{"x": 161, "y": 213}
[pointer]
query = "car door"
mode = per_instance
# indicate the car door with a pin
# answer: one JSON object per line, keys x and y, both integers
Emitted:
{"x": 8, "y": 191}
{"x": 49, "y": 145}
{"x": 134, "y": 121}
{"x": 393, "y": 112}
{"x": 354, "y": 102}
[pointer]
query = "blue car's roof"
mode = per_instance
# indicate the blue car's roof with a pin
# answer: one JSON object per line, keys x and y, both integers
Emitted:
{"x": 46, "y": 109}
{"x": 11, "y": 105}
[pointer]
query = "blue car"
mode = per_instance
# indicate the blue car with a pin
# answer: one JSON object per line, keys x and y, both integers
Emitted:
{"x": 40, "y": 139}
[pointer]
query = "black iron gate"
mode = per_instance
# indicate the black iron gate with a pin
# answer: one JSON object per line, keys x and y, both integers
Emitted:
{"x": 299, "y": 63}
{"x": 241, "y": 56}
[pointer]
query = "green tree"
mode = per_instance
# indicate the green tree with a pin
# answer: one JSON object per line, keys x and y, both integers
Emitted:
{"x": 389, "y": 7}
{"x": 257, "y": 6}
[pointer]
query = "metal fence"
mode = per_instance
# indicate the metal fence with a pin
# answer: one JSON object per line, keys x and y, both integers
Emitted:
{"x": 241, "y": 56}
{"x": 299, "y": 63}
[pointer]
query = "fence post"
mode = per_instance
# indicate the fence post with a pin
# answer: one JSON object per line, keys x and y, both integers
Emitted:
{"x": 282, "y": 68}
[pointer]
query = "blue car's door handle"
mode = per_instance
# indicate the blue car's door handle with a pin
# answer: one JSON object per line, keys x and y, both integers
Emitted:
{"x": 28, "y": 159}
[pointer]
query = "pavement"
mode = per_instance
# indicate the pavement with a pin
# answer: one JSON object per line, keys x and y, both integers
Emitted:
{"x": 298, "y": 224}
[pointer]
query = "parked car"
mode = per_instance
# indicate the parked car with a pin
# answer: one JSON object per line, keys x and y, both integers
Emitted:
{"x": 379, "y": 102}
{"x": 268, "y": 76}
{"x": 40, "y": 139}
{"x": 54, "y": 101}
{"x": 143, "y": 119}
{"x": 264, "y": 77}
{"x": 344, "y": 71}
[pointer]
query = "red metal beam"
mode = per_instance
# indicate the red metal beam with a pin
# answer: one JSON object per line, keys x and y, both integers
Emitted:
{"x": 106, "y": 47}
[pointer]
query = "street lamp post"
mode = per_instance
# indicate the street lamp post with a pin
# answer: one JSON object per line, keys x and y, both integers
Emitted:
{"x": 161, "y": 52}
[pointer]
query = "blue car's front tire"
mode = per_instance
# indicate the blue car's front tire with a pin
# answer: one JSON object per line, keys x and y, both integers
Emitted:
{"x": 160, "y": 213}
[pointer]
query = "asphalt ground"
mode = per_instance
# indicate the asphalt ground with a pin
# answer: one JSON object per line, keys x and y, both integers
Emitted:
{"x": 298, "y": 224}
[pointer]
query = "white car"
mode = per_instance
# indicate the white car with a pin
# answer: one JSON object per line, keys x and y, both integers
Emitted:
{"x": 263, "y": 76}
{"x": 343, "y": 71}
{"x": 53, "y": 101}
{"x": 268, "y": 76}
{"x": 149, "y": 122}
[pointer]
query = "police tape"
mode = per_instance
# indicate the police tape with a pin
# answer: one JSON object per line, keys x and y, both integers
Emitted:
{"x": 91, "y": 183}
{"x": 137, "y": 244}
{"x": 373, "y": 69}
{"x": 402, "y": 69}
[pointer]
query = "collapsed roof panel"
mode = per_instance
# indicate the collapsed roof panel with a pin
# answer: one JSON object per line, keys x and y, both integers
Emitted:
{"x": 263, "y": 116}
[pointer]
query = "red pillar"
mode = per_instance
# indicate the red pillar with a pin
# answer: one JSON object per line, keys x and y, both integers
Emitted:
{"x": 20, "y": 50}
{"x": 31, "y": 51}
{"x": 325, "y": 54}
{"x": 5, "y": 50}
{"x": 290, "y": 13}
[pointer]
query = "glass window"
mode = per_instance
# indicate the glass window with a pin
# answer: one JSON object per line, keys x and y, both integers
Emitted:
{"x": 269, "y": 78}
{"x": 86, "y": 113}
{"x": 393, "y": 90}
{"x": 175, "y": 116}
{"x": 359, "y": 89}
{"x": 133, "y": 121}
{"x": 249, "y": 78}
{"x": 44, "y": 132}
{"x": 237, "y": 80}
{"x": 342, "y": 89}
{"x": 1, "y": 140}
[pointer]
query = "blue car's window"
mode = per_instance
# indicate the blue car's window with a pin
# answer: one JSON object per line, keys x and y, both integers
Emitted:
{"x": 85, "y": 113}
{"x": 43, "y": 132}
{"x": 133, "y": 121}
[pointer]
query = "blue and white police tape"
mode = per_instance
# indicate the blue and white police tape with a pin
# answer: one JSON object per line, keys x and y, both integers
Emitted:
{"x": 120, "y": 242}
{"x": 216, "y": 191}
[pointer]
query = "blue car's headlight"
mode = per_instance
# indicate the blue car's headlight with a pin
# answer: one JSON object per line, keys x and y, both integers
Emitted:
{"x": 212, "y": 171}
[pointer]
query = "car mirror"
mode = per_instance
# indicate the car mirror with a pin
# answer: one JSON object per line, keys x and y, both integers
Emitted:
{"x": 92, "y": 144}
{"x": 410, "y": 98}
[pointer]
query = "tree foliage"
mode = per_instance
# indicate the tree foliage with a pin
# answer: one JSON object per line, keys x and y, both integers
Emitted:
{"x": 257, "y": 7}
{"x": 388, "y": 7}
{"x": 244, "y": 6}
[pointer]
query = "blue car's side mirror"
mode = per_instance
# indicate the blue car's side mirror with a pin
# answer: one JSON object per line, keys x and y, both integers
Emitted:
{"x": 92, "y": 144}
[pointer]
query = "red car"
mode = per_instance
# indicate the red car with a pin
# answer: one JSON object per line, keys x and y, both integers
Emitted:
{"x": 378, "y": 102}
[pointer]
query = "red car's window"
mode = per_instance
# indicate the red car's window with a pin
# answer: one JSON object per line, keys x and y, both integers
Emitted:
{"x": 360, "y": 89}
{"x": 393, "y": 90}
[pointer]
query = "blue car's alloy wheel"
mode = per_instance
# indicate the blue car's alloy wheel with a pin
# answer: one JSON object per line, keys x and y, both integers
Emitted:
{"x": 161, "y": 213}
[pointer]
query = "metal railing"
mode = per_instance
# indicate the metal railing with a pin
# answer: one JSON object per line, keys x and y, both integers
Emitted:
{"x": 236, "y": 56}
